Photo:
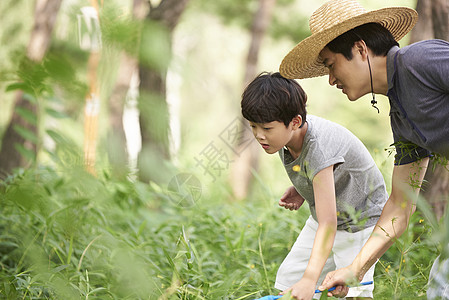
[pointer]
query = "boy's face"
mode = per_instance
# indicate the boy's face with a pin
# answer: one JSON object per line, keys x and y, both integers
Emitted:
{"x": 272, "y": 136}
{"x": 351, "y": 76}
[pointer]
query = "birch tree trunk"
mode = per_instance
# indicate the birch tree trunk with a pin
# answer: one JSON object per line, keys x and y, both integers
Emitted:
{"x": 116, "y": 140}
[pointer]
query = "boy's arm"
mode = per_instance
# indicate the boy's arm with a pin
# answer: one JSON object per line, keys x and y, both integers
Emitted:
{"x": 325, "y": 204}
{"x": 392, "y": 223}
{"x": 291, "y": 199}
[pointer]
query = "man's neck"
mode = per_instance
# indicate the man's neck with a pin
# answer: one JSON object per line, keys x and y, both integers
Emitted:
{"x": 380, "y": 79}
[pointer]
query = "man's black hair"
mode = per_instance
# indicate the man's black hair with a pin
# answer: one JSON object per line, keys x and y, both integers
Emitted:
{"x": 376, "y": 37}
{"x": 271, "y": 97}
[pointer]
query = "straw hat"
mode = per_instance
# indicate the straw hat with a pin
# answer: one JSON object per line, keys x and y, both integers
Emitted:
{"x": 333, "y": 19}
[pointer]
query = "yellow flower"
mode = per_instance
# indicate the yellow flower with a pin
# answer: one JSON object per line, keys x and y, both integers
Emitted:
{"x": 421, "y": 220}
{"x": 296, "y": 168}
{"x": 252, "y": 266}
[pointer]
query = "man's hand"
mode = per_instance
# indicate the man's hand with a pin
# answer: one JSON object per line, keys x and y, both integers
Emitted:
{"x": 291, "y": 199}
{"x": 338, "y": 278}
{"x": 302, "y": 290}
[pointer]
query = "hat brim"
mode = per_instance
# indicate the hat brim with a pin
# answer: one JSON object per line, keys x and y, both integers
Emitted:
{"x": 303, "y": 60}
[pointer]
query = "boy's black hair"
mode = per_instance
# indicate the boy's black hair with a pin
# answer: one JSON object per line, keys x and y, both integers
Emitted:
{"x": 271, "y": 97}
{"x": 376, "y": 37}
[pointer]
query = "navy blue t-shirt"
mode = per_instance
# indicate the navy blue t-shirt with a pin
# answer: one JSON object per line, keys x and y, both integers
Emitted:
{"x": 418, "y": 89}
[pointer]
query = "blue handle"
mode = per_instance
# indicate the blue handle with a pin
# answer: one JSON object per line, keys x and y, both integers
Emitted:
{"x": 269, "y": 298}
{"x": 333, "y": 288}
{"x": 316, "y": 291}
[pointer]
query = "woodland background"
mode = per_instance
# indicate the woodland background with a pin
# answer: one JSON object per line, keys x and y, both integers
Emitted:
{"x": 127, "y": 171}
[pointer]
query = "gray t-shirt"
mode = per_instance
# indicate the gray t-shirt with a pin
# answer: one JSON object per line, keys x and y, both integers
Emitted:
{"x": 359, "y": 185}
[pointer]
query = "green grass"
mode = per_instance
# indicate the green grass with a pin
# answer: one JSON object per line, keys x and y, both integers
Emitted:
{"x": 69, "y": 235}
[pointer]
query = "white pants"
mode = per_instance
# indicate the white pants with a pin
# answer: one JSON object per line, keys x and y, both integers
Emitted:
{"x": 346, "y": 247}
{"x": 439, "y": 280}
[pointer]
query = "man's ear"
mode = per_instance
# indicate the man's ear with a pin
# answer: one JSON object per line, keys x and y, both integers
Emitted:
{"x": 361, "y": 48}
{"x": 297, "y": 122}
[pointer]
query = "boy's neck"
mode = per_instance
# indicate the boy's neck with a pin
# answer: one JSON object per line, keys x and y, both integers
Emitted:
{"x": 294, "y": 146}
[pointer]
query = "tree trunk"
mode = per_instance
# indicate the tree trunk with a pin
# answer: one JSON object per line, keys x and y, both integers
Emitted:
{"x": 116, "y": 140}
{"x": 440, "y": 18}
{"x": 44, "y": 20}
{"x": 154, "y": 116}
{"x": 433, "y": 22}
{"x": 247, "y": 159}
{"x": 423, "y": 29}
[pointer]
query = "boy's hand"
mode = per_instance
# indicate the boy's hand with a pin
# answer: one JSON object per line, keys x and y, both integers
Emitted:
{"x": 291, "y": 199}
{"x": 302, "y": 290}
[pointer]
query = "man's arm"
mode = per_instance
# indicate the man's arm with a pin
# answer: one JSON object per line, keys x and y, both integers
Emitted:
{"x": 406, "y": 183}
{"x": 325, "y": 204}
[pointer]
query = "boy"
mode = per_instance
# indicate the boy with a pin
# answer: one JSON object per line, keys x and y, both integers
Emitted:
{"x": 330, "y": 169}
{"x": 359, "y": 51}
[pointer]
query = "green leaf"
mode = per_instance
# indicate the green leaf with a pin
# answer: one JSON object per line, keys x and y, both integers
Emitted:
{"x": 19, "y": 86}
{"x": 55, "y": 114}
{"x": 181, "y": 253}
{"x": 323, "y": 295}
{"x": 141, "y": 228}
{"x": 155, "y": 46}
{"x": 27, "y": 153}
{"x": 55, "y": 136}
{"x": 26, "y": 134}
{"x": 27, "y": 115}
{"x": 30, "y": 97}
{"x": 60, "y": 268}
{"x": 287, "y": 296}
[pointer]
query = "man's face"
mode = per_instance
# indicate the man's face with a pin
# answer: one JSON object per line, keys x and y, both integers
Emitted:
{"x": 351, "y": 76}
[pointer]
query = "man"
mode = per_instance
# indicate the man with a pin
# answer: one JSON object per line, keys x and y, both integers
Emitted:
{"x": 360, "y": 53}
